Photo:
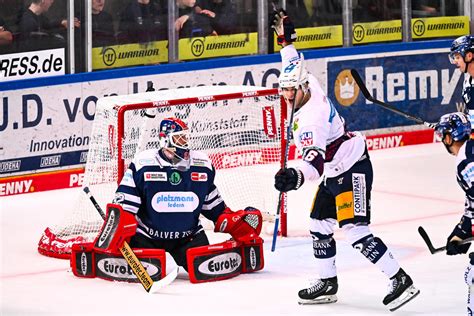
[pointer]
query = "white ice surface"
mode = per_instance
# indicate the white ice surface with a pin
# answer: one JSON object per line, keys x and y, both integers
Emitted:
{"x": 414, "y": 185}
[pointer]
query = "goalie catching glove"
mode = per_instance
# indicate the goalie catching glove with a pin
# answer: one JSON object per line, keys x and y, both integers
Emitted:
{"x": 243, "y": 225}
{"x": 287, "y": 179}
{"x": 283, "y": 27}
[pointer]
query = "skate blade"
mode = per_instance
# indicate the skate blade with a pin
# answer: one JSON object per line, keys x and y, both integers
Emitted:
{"x": 409, "y": 294}
{"x": 325, "y": 299}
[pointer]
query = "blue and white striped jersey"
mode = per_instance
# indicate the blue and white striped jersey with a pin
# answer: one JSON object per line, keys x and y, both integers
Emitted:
{"x": 468, "y": 97}
{"x": 166, "y": 200}
{"x": 465, "y": 175}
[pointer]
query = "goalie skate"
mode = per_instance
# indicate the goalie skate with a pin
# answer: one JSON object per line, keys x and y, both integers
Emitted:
{"x": 321, "y": 292}
{"x": 401, "y": 291}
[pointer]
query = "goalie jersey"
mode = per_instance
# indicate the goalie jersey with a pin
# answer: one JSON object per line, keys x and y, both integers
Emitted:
{"x": 167, "y": 199}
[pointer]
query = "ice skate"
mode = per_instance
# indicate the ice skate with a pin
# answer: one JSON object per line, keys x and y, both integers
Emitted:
{"x": 401, "y": 291}
{"x": 323, "y": 291}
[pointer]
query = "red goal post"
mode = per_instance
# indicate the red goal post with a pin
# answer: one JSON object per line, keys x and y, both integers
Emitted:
{"x": 241, "y": 128}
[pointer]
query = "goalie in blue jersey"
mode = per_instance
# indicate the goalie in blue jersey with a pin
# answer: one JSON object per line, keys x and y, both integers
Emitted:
{"x": 167, "y": 189}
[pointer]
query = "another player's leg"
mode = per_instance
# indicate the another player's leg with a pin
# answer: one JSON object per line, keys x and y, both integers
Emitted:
{"x": 469, "y": 279}
{"x": 354, "y": 218}
{"x": 324, "y": 289}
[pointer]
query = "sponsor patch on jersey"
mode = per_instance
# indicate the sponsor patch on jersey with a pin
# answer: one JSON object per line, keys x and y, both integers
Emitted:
{"x": 359, "y": 189}
{"x": 345, "y": 206}
{"x": 127, "y": 179}
{"x": 306, "y": 139}
{"x": 174, "y": 202}
{"x": 147, "y": 161}
{"x": 199, "y": 176}
{"x": 155, "y": 176}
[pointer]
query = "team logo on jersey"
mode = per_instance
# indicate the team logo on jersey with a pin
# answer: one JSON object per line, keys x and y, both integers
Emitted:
{"x": 155, "y": 176}
{"x": 199, "y": 176}
{"x": 306, "y": 139}
{"x": 295, "y": 124}
{"x": 175, "y": 178}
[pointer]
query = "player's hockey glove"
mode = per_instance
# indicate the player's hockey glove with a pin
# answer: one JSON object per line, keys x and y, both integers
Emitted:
{"x": 461, "y": 231}
{"x": 287, "y": 179}
{"x": 283, "y": 27}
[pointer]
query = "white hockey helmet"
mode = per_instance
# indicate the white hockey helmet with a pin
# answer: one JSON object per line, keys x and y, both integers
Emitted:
{"x": 294, "y": 75}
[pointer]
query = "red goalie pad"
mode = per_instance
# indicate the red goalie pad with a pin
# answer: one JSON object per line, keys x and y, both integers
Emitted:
{"x": 243, "y": 225}
{"x": 224, "y": 260}
{"x": 90, "y": 262}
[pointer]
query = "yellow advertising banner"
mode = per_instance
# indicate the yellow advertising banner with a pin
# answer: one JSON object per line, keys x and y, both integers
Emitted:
{"x": 316, "y": 37}
{"x": 129, "y": 55}
{"x": 218, "y": 46}
{"x": 382, "y": 31}
{"x": 440, "y": 27}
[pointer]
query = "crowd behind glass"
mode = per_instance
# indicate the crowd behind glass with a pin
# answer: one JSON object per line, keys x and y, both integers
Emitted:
{"x": 31, "y": 25}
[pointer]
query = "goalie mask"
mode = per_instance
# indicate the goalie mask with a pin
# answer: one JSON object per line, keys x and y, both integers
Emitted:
{"x": 174, "y": 137}
{"x": 457, "y": 125}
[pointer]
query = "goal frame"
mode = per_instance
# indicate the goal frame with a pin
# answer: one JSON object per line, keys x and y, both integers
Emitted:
{"x": 121, "y": 167}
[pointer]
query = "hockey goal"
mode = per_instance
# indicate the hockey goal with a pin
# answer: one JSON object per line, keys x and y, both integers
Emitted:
{"x": 239, "y": 127}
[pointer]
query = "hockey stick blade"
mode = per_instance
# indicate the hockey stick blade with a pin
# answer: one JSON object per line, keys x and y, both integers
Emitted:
{"x": 431, "y": 248}
{"x": 387, "y": 106}
{"x": 167, "y": 280}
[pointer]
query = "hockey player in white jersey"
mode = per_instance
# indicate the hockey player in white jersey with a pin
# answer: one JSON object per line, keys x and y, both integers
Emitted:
{"x": 454, "y": 130}
{"x": 343, "y": 197}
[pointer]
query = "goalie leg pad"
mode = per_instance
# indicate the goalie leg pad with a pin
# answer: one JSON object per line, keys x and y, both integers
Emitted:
{"x": 89, "y": 262}
{"x": 224, "y": 260}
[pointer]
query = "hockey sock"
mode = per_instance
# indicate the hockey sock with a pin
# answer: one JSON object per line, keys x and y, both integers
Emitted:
{"x": 374, "y": 249}
{"x": 324, "y": 247}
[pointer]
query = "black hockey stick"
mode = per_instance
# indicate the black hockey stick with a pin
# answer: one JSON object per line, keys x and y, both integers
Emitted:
{"x": 137, "y": 267}
{"x": 387, "y": 106}
{"x": 434, "y": 250}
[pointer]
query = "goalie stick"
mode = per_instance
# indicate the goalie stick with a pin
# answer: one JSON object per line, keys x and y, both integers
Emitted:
{"x": 142, "y": 275}
{"x": 434, "y": 250}
{"x": 387, "y": 106}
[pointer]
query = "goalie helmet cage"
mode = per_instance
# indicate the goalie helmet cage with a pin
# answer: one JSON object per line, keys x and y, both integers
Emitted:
{"x": 241, "y": 128}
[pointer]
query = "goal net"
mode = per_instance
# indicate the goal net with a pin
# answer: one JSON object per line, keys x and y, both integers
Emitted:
{"x": 239, "y": 127}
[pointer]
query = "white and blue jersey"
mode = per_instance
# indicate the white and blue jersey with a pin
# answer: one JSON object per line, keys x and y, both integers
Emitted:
{"x": 465, "y": 175}
{"x": 468, "y": 97}
{"x": 166, "y": 199}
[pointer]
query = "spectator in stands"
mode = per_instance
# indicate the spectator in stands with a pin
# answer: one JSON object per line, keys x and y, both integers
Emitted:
{"x": 103, "y": 33}
{"x": 192, "y": 21}
{"x": 141, "y": 22}
{"x": 222, "y": 13}
{"x": 6, "y": 38}
{"x": 37, "y": 31}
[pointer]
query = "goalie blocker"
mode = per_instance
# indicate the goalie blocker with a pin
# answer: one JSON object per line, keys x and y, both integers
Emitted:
{"x": 103, "y": 259}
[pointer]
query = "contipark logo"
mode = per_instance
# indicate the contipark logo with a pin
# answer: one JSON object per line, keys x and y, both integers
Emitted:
{"x": 110, "y": 56}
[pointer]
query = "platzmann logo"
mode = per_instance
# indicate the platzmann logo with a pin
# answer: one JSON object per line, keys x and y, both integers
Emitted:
{"x": 221, "y": 264}
{"x": 108, "y": 228}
